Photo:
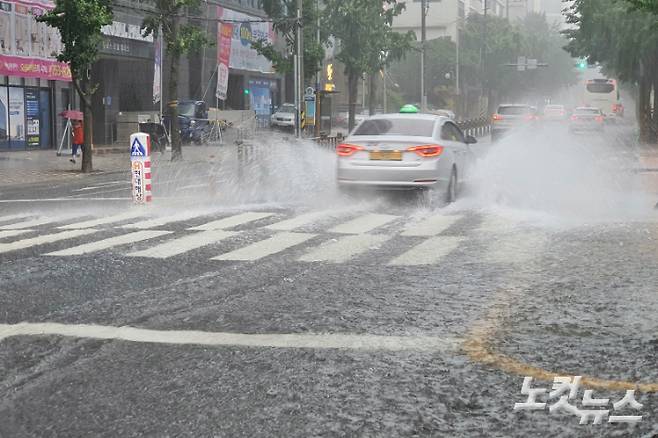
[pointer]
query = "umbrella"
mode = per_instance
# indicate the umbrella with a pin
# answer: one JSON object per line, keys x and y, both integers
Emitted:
{"x": 72, "y": 114}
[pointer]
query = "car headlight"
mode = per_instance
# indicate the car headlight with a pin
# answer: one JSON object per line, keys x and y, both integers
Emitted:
{"x": 192, "y": 122}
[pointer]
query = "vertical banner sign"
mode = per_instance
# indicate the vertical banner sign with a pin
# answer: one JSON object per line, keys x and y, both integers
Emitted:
{"x": 32, "y": 116}
{"x": 223, "y": 57}
{"x": 157, "y": 70}
{"x": 140, "y": 167}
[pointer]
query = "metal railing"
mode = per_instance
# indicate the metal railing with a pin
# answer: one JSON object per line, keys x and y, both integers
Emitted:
{"x": 476, "y": 127}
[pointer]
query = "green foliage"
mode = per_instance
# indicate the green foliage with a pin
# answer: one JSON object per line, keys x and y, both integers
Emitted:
{"x": 284, "y": 16}
{"x": 366, "y": 40}
{"x": 502, "y": 42}
{"x": 79, "y": 23}
{"x": 179, "y": 38}
{"x": 608, "y": 33}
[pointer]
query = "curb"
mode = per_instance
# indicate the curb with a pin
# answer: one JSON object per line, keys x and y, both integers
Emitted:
{"x": 110, "y": 150}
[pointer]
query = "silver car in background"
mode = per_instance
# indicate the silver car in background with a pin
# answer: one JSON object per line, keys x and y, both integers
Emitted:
{"x": 405, "y": 151}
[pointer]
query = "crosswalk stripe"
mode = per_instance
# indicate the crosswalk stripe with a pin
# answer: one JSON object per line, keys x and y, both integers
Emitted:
{"x": 159, "y": 221}
{"x": 344, "y": 248}
{"x": 40, "y": 240}
{"x": 184, "y": 244}
{"x": 298, "y": 221}
{"x": 267, "y": 247}
{"x": 124, "y": 239}
{"x": 428, "y": 252}
{"x": 12, "y": 233}
{"x": 431, "y": 226}
{"x": 232, "y": 221}
{"x": 363, "y": 224}
{"x": 33, "y": 223}
{"x": 104, "y": 220}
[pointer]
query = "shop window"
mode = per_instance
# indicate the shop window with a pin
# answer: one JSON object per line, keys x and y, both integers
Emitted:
{"x": 16, "y": 118}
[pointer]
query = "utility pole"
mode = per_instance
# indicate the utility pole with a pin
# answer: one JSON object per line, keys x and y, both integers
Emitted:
{"x": 485, "y": 88}
{"x": 423, "y": 36}
{"x": 299, "y": 71}
{"x": 318, "y": 117}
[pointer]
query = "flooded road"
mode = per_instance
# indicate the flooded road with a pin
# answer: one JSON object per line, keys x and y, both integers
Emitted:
{"x": 252, "y": 299}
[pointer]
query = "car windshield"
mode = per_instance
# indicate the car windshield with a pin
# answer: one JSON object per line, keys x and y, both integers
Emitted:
{"x": 514, "y": 110}
{"x": 397, "y": 126}
{"x": 600, "y": 87}
{"x": 554, "y": 108}
{"x": 287, "y": 109}
{"x": 186, "y": 109}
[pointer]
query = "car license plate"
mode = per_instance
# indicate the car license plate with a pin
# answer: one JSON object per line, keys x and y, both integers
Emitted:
{"x": 386, "y": 155}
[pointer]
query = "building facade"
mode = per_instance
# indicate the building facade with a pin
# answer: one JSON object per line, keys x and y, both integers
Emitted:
{"x": 34, "y": 87}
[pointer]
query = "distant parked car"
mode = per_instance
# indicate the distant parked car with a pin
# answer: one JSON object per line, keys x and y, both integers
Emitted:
{"x": 284, "y": 116}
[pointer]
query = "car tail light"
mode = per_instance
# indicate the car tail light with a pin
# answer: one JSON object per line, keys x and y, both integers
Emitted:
{"x": 345, "y": 150}
{"x": 427, "y": 150}
{"x": 574, "y": 118}
{"x": 497, "y": 117}
{"x": 599, "y": 118}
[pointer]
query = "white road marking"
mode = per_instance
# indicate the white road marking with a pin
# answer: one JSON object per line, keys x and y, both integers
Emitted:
{"x": 22, "y": 201}
{"x": 12, "y": 217}
{"x": 273, "y": 340}
{"x": 497, "y": 224}
{"x": 299, "y": 221}
{"x": 159, "y": 221}
{"x": 267, "y": 247}
{"x": 344, "y": 248}
{"x": 34, "y": 223}
{"x": 428, "y": 252}
{"x": 183, "y": 244}
{"x": 104, "y": 220}
{"x": 193, "y": 186}
{"x": 363, "y": 224}
{"x": 232, "y": 221}
{"x": 431, "y": 226}
{"x": 40, "y": 240}
{"x": 12, "y": 233}
{"x": 99, "y": 245}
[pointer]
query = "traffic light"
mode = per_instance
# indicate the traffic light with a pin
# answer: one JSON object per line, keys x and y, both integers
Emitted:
{"x": 246, "y": 91}
{"x": 582, "y": 64}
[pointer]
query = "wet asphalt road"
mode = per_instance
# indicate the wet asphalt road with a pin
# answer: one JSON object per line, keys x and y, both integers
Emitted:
{"x": 411, "y": 321}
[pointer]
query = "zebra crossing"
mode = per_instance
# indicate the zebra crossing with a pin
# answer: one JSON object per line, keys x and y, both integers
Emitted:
{"x": 248, "y": 236}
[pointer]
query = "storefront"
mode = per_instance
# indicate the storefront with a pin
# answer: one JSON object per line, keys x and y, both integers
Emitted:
{"x": 253, "y": 83}
{"x": 33, "y": 85}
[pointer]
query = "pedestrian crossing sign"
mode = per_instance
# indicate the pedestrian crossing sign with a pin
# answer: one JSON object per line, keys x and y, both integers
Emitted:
{"x": 137, "y": 149}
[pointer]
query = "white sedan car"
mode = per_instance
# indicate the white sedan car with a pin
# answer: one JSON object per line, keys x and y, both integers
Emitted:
{"x": 406, "y": 151}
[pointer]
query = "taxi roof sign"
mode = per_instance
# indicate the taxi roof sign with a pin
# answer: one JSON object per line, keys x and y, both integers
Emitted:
{"x": 409, "y": 109}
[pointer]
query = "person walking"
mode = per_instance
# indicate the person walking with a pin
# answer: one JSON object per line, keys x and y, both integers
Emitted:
{"x": 78, "y": 140}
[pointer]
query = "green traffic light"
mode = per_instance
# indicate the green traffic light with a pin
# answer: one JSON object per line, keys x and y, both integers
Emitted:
{"x": 246, "y": 91}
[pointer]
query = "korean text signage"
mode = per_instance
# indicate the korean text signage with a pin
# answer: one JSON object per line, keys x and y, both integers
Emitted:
{"x": 140, "y": 167}
{"x": 247, "y": 29}
{"x": 28, "y": 49}
{"x": 224, "y": 38}
{"x": 32, "y": 116}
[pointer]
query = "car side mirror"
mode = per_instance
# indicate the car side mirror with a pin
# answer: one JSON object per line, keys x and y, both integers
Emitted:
{"x": 470, "y": 139}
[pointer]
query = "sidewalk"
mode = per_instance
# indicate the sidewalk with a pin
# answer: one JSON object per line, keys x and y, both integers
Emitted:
{"x": 28, "y": 167}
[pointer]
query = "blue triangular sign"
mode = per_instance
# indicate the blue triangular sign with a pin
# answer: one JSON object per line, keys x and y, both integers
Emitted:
{"x": 137, "y": 149}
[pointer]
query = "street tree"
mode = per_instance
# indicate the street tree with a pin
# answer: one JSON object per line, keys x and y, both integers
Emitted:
{"x": 79, "y": 23}
{"x": 284, "y": 21}
{"x": 625, "y": 43}
{"x": 366, "y": 42}
{"x": 180, "y": 37}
